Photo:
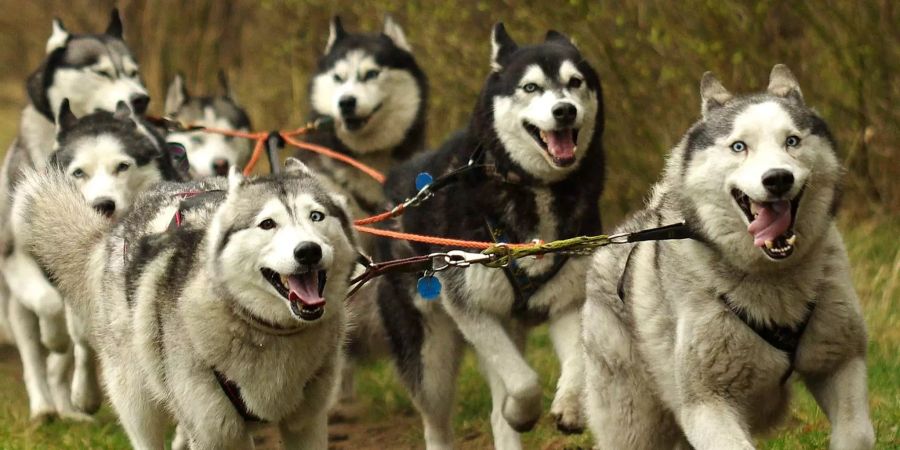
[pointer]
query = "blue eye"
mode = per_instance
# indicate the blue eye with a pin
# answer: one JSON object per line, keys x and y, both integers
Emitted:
{"x": 530, "y": 87}
{"x": 317, "y": 216}
{"x": 792, "y": 141}
{"x": 738, "y": 146}
{"x": 78, "y": 173}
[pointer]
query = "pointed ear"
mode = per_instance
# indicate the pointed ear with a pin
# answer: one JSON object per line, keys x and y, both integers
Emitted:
{"x": 335, "y": 33}
{"x": 176, "y": 96}
{"x": 783, "y": 83}
{"x": 558, "y": 38}
{"x": 712, "y": 94}
{"x": 65, "y": 119}
{"x": 392, "y": 30}
{"x": 114, "y": 28}
{"x": 58, "y": 37}
{"x": 123, "y": 111}
{"x": 295, "y": 166}
{"x": 501, "y": 46}
{"x": 235, "y": 179}
{"x": 224, "y": 87}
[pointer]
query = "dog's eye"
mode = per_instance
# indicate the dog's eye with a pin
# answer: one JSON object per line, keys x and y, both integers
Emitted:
{"x": 267, "y": 224}
{"x": 317, "y": 216}
{"x": 738, "y": 146}
{"x": 338, "y": 79}
{"x": 131, "y": 73}
{"x": 105, "y": 74}
{"x": 530, "y": 87}
{"x": 122, "y": 167}
{"x": 575, "y": 83}
{"x": 78, "y": 173}
{"x": 371, "y": 75}
{"x": 792, "y": 141}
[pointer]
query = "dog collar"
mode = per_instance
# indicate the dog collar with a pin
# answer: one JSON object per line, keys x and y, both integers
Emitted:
{"x": 262, "y": 325}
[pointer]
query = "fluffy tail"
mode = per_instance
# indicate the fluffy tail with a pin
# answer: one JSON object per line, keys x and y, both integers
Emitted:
{"x": 52, "y": 222}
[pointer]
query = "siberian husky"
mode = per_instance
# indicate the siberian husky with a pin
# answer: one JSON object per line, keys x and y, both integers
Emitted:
{"x": 217, "y": 303}
{"x": 538, "y": 124}
{"x": 691, "y": 343}
{"x": 209, "y": 154}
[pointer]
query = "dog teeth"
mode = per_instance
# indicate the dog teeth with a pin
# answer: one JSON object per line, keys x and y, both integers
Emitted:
{"x": 791, "y": 240}
{"x": 770, "y": 244}
{"x": 284, "y": 280}
{"x": 754, "y": 209}
{"x": 544, "y": 136}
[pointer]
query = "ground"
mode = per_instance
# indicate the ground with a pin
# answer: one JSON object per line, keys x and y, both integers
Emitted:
{"x": 386, "y": 419}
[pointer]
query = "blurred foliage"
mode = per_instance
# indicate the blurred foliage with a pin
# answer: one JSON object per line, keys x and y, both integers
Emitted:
{"x": 650, "y": 55}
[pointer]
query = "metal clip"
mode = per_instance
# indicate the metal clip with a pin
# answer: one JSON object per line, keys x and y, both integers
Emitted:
{"x": 459, "y": 258}
{"x": 620, "y": 238}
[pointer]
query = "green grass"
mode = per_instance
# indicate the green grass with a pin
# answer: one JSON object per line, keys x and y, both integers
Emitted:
{"x": 876, "y": 260}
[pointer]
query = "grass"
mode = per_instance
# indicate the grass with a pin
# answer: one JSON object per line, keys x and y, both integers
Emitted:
{"x": 875, "y": 254}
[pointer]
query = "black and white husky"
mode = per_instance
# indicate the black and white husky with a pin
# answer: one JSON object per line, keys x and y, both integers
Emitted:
{"x": 690, "y": 344}
{"x": 374, "y": 91}
{"x": 218, "y": 303}
{"x": 209, "y": 154}
{"x": 538, "y": 124}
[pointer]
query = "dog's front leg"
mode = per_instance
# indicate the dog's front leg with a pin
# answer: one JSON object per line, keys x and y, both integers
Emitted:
{"x": 500, "y": 354}
{"x": 565, "y": 331}
{"x": 712, "y": 424}
{"x": 843, "y": 396}
{"x": 308, "y": 427}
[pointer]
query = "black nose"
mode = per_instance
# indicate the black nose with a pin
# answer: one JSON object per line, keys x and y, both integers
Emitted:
{"x": 347, "y": 104}
{"x": 140, "y": 102}
{"x": 105, "y": 206}
{"x": 778, "y": 181}
{"x": 220, "y": 166}
{"x": 308, "y": 253}
{"x": 564, "y": 113}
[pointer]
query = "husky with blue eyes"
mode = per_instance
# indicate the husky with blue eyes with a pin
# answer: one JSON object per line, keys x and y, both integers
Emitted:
{"x": 218, "y": 303}
{"x": 693, "y": 343}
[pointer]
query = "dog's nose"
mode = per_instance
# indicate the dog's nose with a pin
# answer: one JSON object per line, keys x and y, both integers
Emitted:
{"x": 347, "y": 104}
{"x": 140, "y": 102}
{"x": 778, "y": 181}
{"x": 308, "y": 253}
{"x": 564, "y": 113}
{"x": 105, "y": 206}
{"x": 220, "y": 166}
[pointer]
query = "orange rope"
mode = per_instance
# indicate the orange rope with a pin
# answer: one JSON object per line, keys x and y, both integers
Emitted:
{"x": 446, "y": 242}
{"x": 376, "y": 175}
{"x": 257, "y": 152}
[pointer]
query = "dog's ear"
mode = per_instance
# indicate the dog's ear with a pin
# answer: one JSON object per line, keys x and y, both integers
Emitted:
{"x": 335, "y": 33}
{"x": 66, "y": 118}
{"x": 235, "y": 179}
{"x": 176, "y": 96}
{"x": 123, "y": 111}
{"x": 295, "y": 166}
{"x": 224, "y": 87}
{"x": 783, "y": 83}
{"x": 114, "y": 28}
{"x": 712, "y": 94}
{"x": 501, "y": 46}
{"x": 58, "y": 37}
{"x": 393, "y": 30}
{"x": 558, "y": 38}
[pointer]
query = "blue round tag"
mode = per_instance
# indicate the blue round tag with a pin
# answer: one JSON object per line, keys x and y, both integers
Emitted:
{"x": 429, "y": 287}
{"x": 423, "y": 179}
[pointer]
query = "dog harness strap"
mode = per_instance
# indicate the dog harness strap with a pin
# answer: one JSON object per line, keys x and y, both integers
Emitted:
{"x": 782, "y": 337}
{"x": 233, "y": 392}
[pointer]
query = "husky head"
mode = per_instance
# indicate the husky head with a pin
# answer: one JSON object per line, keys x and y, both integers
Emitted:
{"x": 111, "y": 156}
{"x": 760, "y": 171}
{"x": 209, "y": 154}
{"x": 281, "y": 245}
{"x": 544, "y": 104}
{"x": 93, "y": 71}
{"x": 371, "y": 86}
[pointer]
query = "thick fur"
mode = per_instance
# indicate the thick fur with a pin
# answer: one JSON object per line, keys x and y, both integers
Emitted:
{"x": 670, "y": 364}
{"x": 531, "y": 198}
{"x": 209, "y": 154}
{"x": 170, "y": 305}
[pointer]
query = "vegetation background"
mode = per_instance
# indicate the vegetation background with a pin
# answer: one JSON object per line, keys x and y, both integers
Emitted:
{"x": 650, "y": 55}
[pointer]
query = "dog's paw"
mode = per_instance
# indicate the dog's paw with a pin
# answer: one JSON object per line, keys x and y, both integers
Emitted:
{"x": 86, "y": 399}
{"x": 567, "y": 413}
{"x": 41, "y": 418}
{"x": 523, "y": 413}
{"x": 76, "y": 416}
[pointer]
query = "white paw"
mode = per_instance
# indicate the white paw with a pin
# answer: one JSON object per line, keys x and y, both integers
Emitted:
{"x": 86, "y": 399}
{"x": 75, "y": 416}
{"x": 566, "y": 411}
{"x": 522, "y": 413}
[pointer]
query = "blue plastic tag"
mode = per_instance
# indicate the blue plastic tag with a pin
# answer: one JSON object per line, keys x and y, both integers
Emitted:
{"x": 429, "y": 287}
{"x": 423, "y": 179}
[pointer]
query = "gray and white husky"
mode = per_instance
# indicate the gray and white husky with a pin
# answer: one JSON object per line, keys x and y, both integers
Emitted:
{"x": 216, "y": 303}
{"x": 538, "y": 123}
{"x": 209, "y": 154}
{"x": 374, "y": 91}
{"x": 691, "y": 343}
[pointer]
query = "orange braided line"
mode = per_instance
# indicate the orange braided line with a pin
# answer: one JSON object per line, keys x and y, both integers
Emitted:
{"x": 254, "y": 158}
{"x": 234, "y": 133}
{"x": 434, "y": 240}
{"x": 379, "y": 218}
{"x": 376, "y": 175}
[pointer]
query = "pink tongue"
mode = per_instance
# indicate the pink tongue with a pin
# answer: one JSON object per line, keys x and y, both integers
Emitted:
{"x": 561, "y": 144}
{"x": 305, "y": 289}
{"x": 772, "y": 221}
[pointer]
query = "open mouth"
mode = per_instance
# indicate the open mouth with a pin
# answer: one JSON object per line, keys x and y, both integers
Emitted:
{"x": 770, "y": 223}
{"x": 560, "y": 144}
{"x": 303, "y": 291}
{"x": 354, "y": 122}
